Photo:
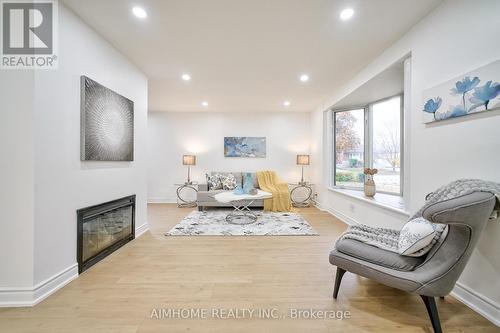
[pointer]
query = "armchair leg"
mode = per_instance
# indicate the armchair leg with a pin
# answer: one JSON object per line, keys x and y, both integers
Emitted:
{"x": 432, "y": 310}
{"x": 338, "y": 279}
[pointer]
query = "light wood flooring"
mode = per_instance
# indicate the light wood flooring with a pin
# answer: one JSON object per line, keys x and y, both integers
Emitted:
{"x": 256, "y": 272}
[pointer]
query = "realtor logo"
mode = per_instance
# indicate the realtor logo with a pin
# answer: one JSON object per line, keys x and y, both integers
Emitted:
{"x": 28, "y": 34}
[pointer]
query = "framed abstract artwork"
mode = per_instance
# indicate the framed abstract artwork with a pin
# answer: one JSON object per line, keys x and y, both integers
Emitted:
{"x": 473, "y": 92}
{"x": 244, "y": 146}
{"x": 107, "y": 124}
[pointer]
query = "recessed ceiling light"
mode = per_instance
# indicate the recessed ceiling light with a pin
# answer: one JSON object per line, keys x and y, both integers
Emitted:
{"x": 139, "y": 12}
{"x": 186, "y": 77}
{"x": 286, "y": 104}
{"x": 304, "y": 78}
{"x": 204, "y": 103}
{"x": 346, "y": 14}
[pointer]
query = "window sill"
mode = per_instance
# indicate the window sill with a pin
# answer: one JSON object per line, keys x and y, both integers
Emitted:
{"x": 393, "y": 203}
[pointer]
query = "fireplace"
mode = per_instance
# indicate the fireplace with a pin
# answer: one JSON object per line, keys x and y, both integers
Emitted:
{"x": 103, "y": 229}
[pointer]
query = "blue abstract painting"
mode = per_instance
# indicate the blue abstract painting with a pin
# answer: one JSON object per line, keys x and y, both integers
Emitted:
{"x": 244, "y": 146}
{"x": 473, "y": 92}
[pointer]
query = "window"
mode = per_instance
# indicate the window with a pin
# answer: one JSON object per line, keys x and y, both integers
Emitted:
{"x": 349, "y": 148}
{"x": 386, "y": 152}
{"x": 369, "y": 137}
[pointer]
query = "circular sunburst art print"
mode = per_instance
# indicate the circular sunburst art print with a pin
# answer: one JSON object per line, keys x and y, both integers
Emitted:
{"x": 107, "y": 124}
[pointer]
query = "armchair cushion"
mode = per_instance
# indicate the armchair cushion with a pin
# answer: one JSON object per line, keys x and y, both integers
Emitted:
{"x": 378, "y": 256}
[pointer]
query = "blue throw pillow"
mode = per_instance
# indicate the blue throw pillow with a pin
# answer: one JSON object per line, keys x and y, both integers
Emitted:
{"x": 248, "y": 183}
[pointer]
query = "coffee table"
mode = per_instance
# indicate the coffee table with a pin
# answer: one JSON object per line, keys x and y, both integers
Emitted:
{"x": 241, "y": 214}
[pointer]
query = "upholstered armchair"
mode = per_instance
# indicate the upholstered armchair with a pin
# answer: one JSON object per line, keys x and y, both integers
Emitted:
{"x": 434, "y": 274}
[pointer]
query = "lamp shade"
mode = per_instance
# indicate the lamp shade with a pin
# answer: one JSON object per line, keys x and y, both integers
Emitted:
{"x": 188, "y": 159}
{"x": 302, "y": 159}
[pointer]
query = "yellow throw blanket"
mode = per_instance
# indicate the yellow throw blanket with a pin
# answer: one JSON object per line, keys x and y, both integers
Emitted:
{"x": 269, "y": 182}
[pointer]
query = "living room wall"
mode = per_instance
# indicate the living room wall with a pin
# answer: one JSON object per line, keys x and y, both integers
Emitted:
{"x": 16, "y": 179}
{"x": 48, "y": 160}
{"x": 172, "y": 134}
{"x": 442, "y": 46}
{"x": 63, "y": 182}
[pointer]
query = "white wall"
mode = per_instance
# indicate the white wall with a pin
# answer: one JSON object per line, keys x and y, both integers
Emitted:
{"x": 43, "y": 180}
{"x": 172, "y": 134}
{"x": 442, "y": 47}
{"x": 16, "y": 179}
{"x": 62, "y": 182}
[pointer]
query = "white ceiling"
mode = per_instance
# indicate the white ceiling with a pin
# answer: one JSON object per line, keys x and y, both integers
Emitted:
{"x": 247, "y": 55}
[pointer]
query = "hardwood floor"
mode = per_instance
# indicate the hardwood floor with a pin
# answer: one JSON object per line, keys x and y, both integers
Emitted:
{"x": 204, "y": 272}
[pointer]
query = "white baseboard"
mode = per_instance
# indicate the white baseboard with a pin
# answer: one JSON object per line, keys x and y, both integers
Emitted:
{"x": 477, "y": 302}
{"x": 341, "y": 216}
{"x": 17, "y": 297}
{"x": 161, "y": 200}
{"x": 141, "y": 230}
{"x": 22, "y": 297}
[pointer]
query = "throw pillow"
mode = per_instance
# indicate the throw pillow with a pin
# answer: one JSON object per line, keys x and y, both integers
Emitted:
{"x": 248, "y": 183}
{"x": 228, "y": 182}
{"x": 415, "y": 235}
{"x": 214, "y": 182}
{"x": 441, "y": 231}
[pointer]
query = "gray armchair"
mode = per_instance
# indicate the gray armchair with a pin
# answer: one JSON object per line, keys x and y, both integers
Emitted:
{"x": 430, "y": 276}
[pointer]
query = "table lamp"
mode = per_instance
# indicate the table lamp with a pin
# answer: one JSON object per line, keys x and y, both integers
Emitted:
{"x": 302, "y": 160}
{"x": 189, "y": 160}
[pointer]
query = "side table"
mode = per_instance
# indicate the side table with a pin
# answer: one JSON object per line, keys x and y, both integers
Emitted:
{"x": 303, "y": 200}
{"x": 183, "y": 191}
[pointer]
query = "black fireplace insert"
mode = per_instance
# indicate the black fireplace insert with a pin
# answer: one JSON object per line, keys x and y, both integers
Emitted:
{"x": 103, "y": 229}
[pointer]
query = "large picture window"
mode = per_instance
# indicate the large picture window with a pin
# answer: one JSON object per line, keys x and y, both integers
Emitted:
{"x": 349, "y": 148}
{"x": 369, "y": 137}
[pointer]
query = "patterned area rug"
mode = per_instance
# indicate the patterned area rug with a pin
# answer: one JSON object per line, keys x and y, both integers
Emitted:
{"x": 213, "y": 223}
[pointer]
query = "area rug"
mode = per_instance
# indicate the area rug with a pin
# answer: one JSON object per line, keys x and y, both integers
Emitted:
{"x": 213, "y": 223}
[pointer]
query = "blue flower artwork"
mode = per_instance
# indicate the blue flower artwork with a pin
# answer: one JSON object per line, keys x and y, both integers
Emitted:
{"x": 473, "y": 92}
{"x": 432, "y": 105}
{"x": 454, "y": 111}
{"x": 244, "y": 146}
{"x": 484, "y": 94}
{"x": 464, "y": 86}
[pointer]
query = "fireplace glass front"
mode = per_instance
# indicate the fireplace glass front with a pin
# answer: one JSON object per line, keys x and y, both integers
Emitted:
{"x": 103, "y": 229}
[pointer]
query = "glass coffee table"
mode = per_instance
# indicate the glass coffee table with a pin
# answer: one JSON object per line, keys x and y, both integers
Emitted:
{"x": 241, "y": 214}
